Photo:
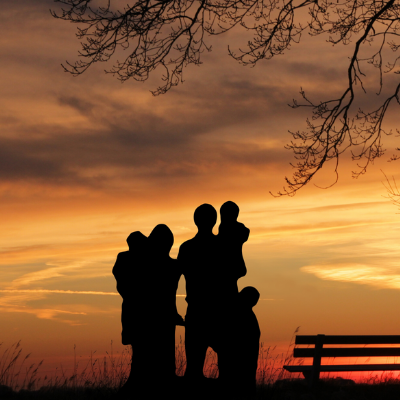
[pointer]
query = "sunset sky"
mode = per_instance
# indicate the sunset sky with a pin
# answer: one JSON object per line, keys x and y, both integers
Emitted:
{"x": 85, "y": 161}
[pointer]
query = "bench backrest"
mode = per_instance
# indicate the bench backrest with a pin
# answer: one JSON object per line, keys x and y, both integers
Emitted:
{"x": 320, "y": 351}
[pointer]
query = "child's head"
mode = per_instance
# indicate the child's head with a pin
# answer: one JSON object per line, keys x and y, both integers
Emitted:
{"x": 136, "y": 240}
{"x": 229, "y": 212}
{"x": 249, "y": 296}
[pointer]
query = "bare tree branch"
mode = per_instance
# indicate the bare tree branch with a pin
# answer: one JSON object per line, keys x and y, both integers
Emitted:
{"x": 171, "y": 34}
{"x": 392, "y": 190}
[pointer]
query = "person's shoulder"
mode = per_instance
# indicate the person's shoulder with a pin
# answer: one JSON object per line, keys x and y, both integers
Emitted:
{"x": 124, "y": 257}
{"x": 120, "y": 262}
{"x": 184, "y": 248}
{"x": 175, "y": 265}
{"x": 188, "y": 244}
{"x": 173, "y": 262}
{"x": 123, "y": 254}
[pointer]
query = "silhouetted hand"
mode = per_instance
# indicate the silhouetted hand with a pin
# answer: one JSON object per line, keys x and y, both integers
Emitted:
{"x": 179, "y": 320}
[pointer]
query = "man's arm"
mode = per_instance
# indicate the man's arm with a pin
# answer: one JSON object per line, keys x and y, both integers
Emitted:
{"x": 182, "y": 259}
{"x": 183, "y": 263}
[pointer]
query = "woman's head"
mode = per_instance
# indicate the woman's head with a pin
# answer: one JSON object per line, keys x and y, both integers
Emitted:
{"x": 161, "y": 239}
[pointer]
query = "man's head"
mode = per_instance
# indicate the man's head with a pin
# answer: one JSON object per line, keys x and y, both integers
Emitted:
{"x": 136, "y": 240}
{"x": 161, "y": 240}
{"x": 249, "y": 296}
{"x": 229, "y": 211}
{"x": 205, "y": 217}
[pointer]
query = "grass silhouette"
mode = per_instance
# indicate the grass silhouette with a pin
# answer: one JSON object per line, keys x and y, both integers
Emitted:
{"x": 15, "y": 370}
{"x": 101, "y": 377}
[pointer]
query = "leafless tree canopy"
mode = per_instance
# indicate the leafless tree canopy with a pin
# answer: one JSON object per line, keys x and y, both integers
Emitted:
{"x": 170, "y": 34}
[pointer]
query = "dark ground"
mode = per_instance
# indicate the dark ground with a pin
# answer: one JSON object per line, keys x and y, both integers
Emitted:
{"x": 332, "y": 389}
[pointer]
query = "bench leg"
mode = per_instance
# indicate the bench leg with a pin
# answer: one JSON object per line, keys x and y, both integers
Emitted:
{"x": 316, "y": 368}
{"x": 307, "y": 377}
{"x": 310, "y": 378}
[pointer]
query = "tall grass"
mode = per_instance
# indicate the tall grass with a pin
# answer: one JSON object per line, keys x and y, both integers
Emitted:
{"x": 15, "y": 370}
{"x": 109, "y": 371}
{"x": 99, "y": 377}
{"x": 112, "y": 370}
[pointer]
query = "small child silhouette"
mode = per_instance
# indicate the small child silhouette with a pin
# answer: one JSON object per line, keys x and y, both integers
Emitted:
{"x": 238, "y": 355}
{"x": 248, "y": 342}
{"x": 232, "y": 235}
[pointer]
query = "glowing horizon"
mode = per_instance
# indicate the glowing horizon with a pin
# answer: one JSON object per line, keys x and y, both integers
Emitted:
{"x": 86, "y": 161}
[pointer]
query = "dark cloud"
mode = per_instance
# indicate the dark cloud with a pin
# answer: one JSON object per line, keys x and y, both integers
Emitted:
{"x": 223, "y": 118}
{"x": 67, "y": 158}
{"x": 184, "y": 139}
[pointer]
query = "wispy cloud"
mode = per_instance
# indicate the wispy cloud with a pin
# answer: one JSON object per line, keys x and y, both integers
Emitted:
{"x": 50, "y": 291}
{"x": 62, "y": 270}
{"x": 381, "y": 277}
{"x": 17, "y": 302}
{"x": 44, "y": 313}
{"x": 55, "y": 291}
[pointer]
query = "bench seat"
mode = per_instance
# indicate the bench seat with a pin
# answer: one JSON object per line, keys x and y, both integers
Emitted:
{"x": 312, "y": 372}
{"x": 345, "y": 367}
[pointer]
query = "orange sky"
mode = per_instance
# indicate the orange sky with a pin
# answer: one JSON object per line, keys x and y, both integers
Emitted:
{"x": 85, "y": 161}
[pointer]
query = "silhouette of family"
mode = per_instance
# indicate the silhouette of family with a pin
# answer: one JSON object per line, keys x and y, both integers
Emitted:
{"x": 217, "y": 315}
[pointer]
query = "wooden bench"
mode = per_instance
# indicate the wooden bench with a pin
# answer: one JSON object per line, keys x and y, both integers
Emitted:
{"x": 311, "y": 372}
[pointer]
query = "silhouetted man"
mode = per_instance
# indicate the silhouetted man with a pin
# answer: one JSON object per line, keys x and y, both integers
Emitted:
{"x": 199, "y": 261}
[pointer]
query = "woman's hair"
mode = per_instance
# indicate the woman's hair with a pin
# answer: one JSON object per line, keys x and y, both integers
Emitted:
{"x": 136, "y": 240}
{"x": 161, "y": 239}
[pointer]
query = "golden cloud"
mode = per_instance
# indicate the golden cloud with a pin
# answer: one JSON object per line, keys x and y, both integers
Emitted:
{"x": 381, "y": 277}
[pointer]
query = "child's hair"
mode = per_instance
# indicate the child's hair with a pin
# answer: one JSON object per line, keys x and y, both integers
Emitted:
{"x": 229, "y": 210}
{"x": 249, "y": 296}
{"x": 136, "y": 239}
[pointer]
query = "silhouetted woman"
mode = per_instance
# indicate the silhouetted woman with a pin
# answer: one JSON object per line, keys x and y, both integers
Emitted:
{"x": 147, "y": 279}
{"x": 162, "y": 303}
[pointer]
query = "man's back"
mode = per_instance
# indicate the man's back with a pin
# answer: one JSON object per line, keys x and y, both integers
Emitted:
{"x": 198, "y": 258}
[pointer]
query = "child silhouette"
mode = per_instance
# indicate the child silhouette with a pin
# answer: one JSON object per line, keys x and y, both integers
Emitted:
{"x": 248, "y": 342}
{"x": 232, "y": 235}
{"x": 238, "y": 354}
